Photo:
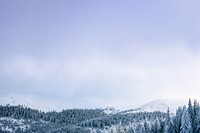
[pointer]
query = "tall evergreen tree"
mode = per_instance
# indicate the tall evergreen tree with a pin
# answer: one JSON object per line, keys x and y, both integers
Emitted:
{"x": 168, "y": 127}
{"x": 198, "y": 122}
{"x": 195, "y": 122}
{"x": 177, "y": 120}
{"x": 147, "y": 126}
{"x": 191, "y": 113}
{"x": 142, "y": 129}
{"x": 157, "y": 126}
{"x": 186, "y": 122}
{"x": 130, "y": 129}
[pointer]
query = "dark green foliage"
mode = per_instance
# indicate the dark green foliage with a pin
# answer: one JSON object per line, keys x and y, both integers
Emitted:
{"x": 177, "y": 120}
{"x": 71, "y": 116}
{"x": 123, "y": 119}
{"x": 86, "y": 120}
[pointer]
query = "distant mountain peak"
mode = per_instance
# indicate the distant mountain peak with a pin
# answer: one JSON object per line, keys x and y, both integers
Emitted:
{"x": 110, "y": 110}
{"x": 32, "y": 102}
{"x": 50, "y": 105}
{"x": 157, "y": 105}
{"x": 161, "y": 105}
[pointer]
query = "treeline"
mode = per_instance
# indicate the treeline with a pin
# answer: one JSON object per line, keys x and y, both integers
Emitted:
{"x": 71, "y": 116}
{"x": 186, "y": 120}
{"x": 122, "y": 119}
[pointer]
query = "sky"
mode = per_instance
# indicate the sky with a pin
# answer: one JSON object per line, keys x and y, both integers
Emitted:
{"x": 94, "y": 53}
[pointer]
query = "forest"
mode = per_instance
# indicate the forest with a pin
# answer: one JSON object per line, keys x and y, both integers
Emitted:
{"x": 23, "y": 119}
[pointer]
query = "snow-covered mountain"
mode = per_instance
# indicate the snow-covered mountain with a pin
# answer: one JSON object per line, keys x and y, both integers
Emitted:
{"x": 32, "y": 102}
{"x": 162, "y": 105}
{"x": 158, "y": 105}
{"x": 110, "y": 110}
{"x": 50, "y": 105}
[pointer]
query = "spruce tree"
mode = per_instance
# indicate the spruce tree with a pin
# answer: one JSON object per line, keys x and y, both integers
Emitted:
{"x": 198, "y": 122}
{"x": 196, "y": 111}
{"x": 147, "y": 126}
{"x": 177, "y": 120}
{"x": 186, "y": 122}
{"x": 156, "y": 128}
{"x": 168, "y": 127}
{"x": 191, "y": 113}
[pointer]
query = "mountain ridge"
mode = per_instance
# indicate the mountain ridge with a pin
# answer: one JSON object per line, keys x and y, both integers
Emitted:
{"x": 50, "y": 105}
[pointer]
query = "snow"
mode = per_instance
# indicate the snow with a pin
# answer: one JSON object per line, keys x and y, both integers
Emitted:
{"x": 110, "y": 110}
{"x": 32, "y": 102}
{"x": 18, "y": 124}
{"x": 162, "y": 105}
{"x": 24, "y": 127}
{"x": 157, "y": 105}
{"x": 53, "y": 105}
{"x": 12, "y": 120}
{"x": 6, "y": 129}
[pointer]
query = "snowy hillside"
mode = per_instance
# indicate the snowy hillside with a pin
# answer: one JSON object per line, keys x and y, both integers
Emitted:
{"x": 32, "y": 102}
{"x": 41, "y": 103}
{"x": 50, "y": 105}
{"x": 161, "y": 105}
{"x": 157, "y": 105}
{"x": 110, "y": 110}
{"x": 20, "y": 125}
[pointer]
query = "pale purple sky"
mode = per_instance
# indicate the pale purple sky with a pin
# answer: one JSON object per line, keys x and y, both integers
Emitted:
{"x": 95, "y": 53}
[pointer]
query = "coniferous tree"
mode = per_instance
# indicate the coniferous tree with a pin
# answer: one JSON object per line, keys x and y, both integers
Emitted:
{"x": 191, "y": 113}
{"x": 168, "y": 127}
{"x": 177, "y": 120}
{"x": 138, "y": 128}
{"x": 131, "y": 129}
{"x": 162, "y": 125}
{"x": 186, "y": 122}
{"x": 157, "y": 126}
{"x": 142, "y": 129}
{"x": 147, "y": 126}
{"x": 198, "y": 122}
{"x": 195, "y": 122}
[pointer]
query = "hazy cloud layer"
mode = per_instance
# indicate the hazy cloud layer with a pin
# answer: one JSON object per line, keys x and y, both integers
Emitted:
{"x": 91, "y": 54}
{"x": 95, "y": 79}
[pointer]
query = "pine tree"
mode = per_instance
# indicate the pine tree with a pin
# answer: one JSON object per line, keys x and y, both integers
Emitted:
{"x": 177, "y": 120}
{"x": 185, "y": 122}
{"x": 147, "y": 126}
{"x": 191, "y": 113}
{"x": 196, "y": 111}
{"x": 157, "y": 126}
{"x": 138, "y": 128}
{"x": 198, "y": 122}
{"x": 162, "y": 124}
{"x": 142, "y": 129}
{"x": 168, "y": 127}
{"x": 131, "y": 129}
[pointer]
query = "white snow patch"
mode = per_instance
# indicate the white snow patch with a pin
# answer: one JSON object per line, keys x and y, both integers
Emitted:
{"x": 12, "y": 120}
{"x": 6, "y": 129}
{"x": 18, "y": 124}
{"x": 110, "y": 110}
{"x": 162, "y": 105}
{"x": 32, "y": 102}
{"x": 158, "y": 105}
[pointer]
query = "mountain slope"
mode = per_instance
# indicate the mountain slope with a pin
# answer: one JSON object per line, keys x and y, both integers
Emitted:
{"x": 32, "y": 102}
{"x": 157, "y": 105}
{"x": 160, "y": 105}
{"x": 50, "y": 105}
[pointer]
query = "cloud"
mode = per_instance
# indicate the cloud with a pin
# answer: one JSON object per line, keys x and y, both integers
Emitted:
{"x": 151, "y": 72}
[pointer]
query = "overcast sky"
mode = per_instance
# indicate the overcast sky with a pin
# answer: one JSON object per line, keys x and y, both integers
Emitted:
{"x": 92, "y": 53}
